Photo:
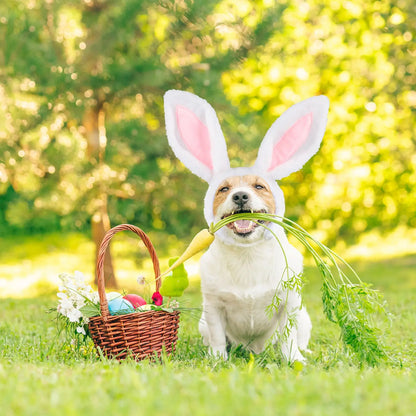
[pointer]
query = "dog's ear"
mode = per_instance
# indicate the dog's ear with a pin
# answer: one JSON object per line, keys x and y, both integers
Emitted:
{"x": 293, "y": 138}
{"x": 194, "y": 133}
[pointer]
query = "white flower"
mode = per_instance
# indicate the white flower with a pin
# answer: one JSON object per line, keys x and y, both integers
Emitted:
{"x": 79, "y": 276}
{"x": 141, "y": 280}
{"x": 74, "y": 315}
{"x": 81, "y": 330}
{"x": 94, "y": 297}
{"x": 73, "y": 294}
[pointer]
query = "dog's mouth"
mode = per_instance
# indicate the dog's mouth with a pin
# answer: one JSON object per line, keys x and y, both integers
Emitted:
{"x": 244, "y": 227}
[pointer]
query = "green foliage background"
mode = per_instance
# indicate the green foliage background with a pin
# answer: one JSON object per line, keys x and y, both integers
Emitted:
{"x": 250, "y": 59}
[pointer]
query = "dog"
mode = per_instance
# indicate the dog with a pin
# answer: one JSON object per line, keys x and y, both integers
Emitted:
{"x": 247, "y": 269}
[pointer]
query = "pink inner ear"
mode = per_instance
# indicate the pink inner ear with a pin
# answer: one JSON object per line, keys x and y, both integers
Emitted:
{"x": 291, "y": 141}
{"x": 195, "y": 135}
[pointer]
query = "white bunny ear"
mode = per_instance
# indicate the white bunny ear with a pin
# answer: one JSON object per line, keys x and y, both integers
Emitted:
{"x": 194, "y": 133}
{"x": 293, "y": 138}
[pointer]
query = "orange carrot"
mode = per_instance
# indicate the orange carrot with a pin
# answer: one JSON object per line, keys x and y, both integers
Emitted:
{"x": 201, "y": 241}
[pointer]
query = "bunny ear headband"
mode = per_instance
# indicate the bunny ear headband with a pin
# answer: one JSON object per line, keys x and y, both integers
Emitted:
{"x": 195, "y": 135}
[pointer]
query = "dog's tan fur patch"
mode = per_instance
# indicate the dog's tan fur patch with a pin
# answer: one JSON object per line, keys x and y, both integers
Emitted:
{"x": 252, "y": 181}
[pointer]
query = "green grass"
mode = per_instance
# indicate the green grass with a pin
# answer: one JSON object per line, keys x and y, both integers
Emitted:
{"x": 40, "y": 374}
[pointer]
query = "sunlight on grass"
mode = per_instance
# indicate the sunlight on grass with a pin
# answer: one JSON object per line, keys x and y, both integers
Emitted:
{"x": 30, "y": 266}
{"x": 375, "y": 245}
{"x": 371, "y": 246}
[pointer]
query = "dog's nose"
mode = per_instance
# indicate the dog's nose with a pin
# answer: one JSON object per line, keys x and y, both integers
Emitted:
{"x": 240, "y": 198}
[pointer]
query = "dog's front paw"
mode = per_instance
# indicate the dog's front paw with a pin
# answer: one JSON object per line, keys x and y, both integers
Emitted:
{"x": 299, "y": 358}
{"x": 293, "y": 355}
{"x": 219, "y": 352}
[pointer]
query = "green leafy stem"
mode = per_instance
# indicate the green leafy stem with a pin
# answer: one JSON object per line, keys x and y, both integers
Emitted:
{"x": 347, "y": 301}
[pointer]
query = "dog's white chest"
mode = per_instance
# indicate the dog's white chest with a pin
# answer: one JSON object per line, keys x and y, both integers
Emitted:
{"x": 246, "y": 313}
{"x": 242, "y": 283}
{"x": 249, "y": 274}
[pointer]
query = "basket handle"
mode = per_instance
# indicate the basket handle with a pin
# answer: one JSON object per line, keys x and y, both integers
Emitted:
{"x": 105, "y": 313}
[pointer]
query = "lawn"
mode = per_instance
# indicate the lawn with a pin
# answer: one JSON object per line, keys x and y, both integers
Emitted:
{"x": 41, "y": 374}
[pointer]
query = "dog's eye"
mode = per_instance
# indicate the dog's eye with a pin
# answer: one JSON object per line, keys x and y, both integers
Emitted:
{"x": 224, "y": 189}
{"x": 258, "y": 186}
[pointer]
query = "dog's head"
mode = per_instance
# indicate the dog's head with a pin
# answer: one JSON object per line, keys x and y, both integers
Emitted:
{"x": 195, "y": 135}
{"x": 243, "y": 194}
{"x": 242, "y": 190}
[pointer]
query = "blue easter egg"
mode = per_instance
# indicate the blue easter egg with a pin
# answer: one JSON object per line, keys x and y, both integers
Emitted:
{"x": 120, "y": 306}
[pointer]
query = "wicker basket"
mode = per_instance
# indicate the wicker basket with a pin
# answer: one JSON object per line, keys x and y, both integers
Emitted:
{"x": 138, "y": 335}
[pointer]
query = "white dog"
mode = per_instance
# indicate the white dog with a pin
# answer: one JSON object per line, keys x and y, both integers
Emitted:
{"x": 246, "y": 267}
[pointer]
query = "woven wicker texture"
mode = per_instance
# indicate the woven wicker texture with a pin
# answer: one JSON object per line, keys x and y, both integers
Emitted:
{"x": 137, "y": 335}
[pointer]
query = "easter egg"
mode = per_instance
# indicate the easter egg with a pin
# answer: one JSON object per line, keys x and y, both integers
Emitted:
{"x": 120, "y": 306}
{"x": 176, "y": 283}
{"x": 135, "y": 300}
{"x": 147, "y": 307}
{"x": 113, "y": 295}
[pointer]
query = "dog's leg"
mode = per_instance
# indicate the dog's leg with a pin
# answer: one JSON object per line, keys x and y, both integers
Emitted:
{"x": 290, "y": 347}
{"x": 298, "y": 337}
{"x": 304, "y": 328}
{"x": 203, "y": 329}
{"x": 211, "y": 327}
{"x": 289, "y": 329}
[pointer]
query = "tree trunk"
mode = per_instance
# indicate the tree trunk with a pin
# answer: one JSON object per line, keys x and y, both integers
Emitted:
{"x": 100, "y": 223}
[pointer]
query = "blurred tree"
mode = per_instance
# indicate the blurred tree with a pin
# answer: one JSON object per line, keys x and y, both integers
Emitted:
{"x": 362, "y": 56}
{"x": 82, "y": 92}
